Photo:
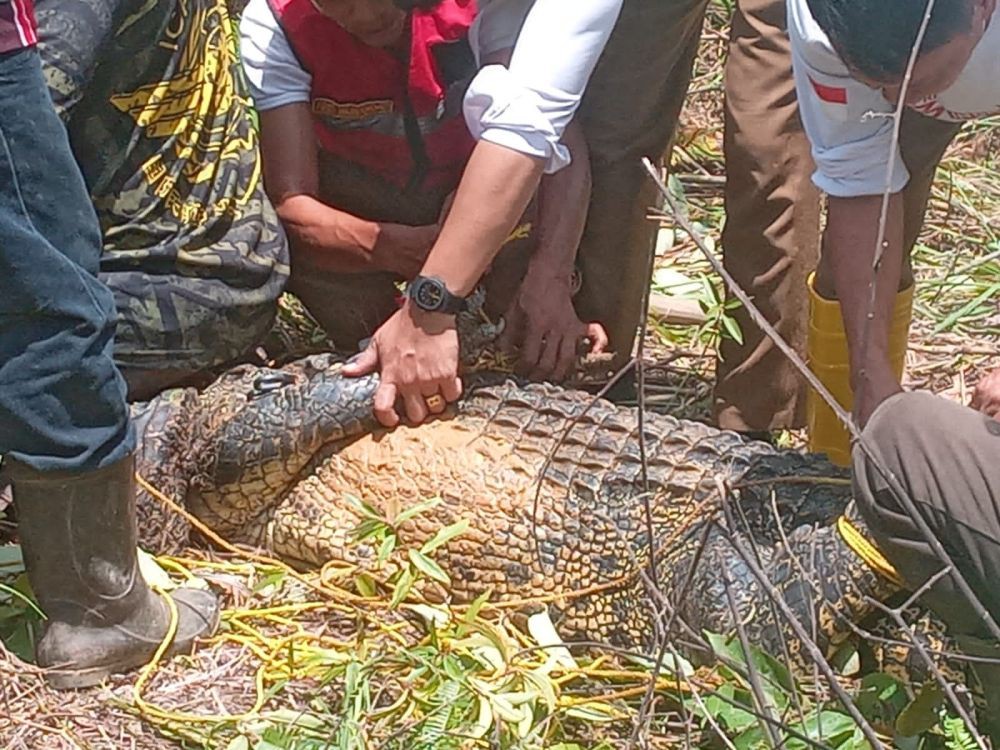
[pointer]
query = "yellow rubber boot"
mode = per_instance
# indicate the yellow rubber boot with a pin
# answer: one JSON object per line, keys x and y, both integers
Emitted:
{"x": 827, "y": 354}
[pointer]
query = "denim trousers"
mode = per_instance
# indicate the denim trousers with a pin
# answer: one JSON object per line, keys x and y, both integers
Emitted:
{"x": 62, "y": 400}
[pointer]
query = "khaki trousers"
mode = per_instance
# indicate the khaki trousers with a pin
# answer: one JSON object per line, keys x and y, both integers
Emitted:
{"x": 771, "y": 235}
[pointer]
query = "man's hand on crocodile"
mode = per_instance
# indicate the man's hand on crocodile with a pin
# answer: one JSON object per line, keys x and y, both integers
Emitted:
{"x": 543, "y": 329}
{"x": 416, "y": 353}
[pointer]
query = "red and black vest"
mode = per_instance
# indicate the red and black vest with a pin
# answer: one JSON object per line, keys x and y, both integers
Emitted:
{"x": 401, "y": 120}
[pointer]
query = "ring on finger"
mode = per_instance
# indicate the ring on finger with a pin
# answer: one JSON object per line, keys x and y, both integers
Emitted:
{"x": 435, "y": 402}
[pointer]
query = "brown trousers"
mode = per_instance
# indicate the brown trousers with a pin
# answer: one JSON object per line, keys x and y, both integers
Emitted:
{"x": 630, "y": 111}
{"x": 947, "y": 459}
{"x": 771, "y": 238}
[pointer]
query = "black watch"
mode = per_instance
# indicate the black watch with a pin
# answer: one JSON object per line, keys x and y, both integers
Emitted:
{"x": 430, "y": 294}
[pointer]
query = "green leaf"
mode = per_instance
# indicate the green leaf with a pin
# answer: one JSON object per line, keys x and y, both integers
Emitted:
{"x": 416, "y": 510}
{"x": 776, "y": 677}
{"x": 473, "y": 611}
{"x": 833, "y": 726}
{"x": 965, "y": 309}
{"x": 922, "y": 713}
{"x": 593, "y": 713}
{"x": 366, "y": 585}
{"x": 387, "y": 548}
{"x": 444, "y": 536}
{"x": 428, "y": 567}
{"x": 732, "y": 329}
{"x": 368, "y": 529}
{"x": 403, "y": 586}
{"x": 239, "y": 743}
{"x": 364, "y": 508}
{"x": 22, "y": 597}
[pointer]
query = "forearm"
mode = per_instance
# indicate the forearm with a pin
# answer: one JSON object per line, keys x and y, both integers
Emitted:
{"x": 495, "y": 190}
{"x": 563, "y": 200}
{"x": 328, "y": 239}
{"x": 848, "y": 255}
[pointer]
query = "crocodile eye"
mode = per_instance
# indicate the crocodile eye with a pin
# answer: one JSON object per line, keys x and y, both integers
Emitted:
{"x": 268, "y": 383}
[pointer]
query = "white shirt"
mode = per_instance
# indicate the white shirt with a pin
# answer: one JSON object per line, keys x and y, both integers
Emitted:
{"x": 847, "y": 121}
{"x": 525, "y": 107}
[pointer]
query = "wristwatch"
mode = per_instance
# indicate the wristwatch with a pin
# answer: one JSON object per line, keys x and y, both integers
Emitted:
{"x": 430, "y": 294}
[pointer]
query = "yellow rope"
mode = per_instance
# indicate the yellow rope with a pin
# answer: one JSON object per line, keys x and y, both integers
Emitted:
{"x": 867, "y": 551}
{"x": 333, "y": 593}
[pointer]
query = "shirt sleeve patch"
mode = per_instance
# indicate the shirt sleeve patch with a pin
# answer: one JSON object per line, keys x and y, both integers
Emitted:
{"x": 830, "y": 94}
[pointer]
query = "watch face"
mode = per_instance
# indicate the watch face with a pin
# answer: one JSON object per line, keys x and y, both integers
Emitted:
{"x": 430, "y": 296}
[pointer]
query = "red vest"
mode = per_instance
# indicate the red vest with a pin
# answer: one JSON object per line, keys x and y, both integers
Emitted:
{"x": 400, "y": 121}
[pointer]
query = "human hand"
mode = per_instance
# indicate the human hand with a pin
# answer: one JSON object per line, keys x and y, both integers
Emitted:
{"x": 402, "y": 249}
{"x": 543, "y": 327}
{"x": 986, "y": 397}
{"x": 417, "y": 355}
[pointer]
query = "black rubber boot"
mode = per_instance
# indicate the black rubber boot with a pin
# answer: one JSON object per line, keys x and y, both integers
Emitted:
{"x": 78, "y": 535}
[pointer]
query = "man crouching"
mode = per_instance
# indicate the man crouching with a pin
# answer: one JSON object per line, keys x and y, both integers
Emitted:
{"x": 364, "y": 140}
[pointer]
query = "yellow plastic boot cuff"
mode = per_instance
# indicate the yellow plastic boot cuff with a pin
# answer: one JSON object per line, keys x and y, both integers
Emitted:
{"x": 827, "y": 353}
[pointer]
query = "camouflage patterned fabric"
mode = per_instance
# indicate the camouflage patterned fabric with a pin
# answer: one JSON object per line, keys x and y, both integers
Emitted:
{"x": 160, "y": 121}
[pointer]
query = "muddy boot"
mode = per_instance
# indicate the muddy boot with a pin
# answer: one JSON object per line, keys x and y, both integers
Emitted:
{"x": 987, "y": 670}
{"x": 78, "y": 534}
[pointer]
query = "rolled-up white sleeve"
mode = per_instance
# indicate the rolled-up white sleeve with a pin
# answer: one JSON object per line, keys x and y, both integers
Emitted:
{"x": 273, "y": 73}
{"x": 556, "y": 44}
{"x": 849, "y": 124}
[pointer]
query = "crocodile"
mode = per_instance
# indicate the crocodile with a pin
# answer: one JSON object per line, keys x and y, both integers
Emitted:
{"x": 552, "y": 484}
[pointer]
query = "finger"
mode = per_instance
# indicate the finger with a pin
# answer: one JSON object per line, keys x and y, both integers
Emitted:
{"x": 428, "y": 388}
{"x": 514, "y": 324}
{"x": 547, "y": 358}
{"x": 598, "y": 338}
{"x": 385, "y": 404}
{"x": 363, "y": 363}
{"x": 416, "y": 407}
{"x": 531, "y": 349}
{"x": 566, "y": 358}
{"x": 451, "y": 389}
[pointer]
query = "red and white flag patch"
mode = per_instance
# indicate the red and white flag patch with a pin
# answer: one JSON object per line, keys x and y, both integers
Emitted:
{"x": 829, "y": 94}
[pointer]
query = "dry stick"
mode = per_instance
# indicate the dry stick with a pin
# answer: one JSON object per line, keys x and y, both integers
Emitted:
{"x": 883, "y": 219}
{"x": 756, "y": 688}
{"x": 552, "y": 452}
{"x": 662, "y": 631}
{"x": 814, "y": 652}
{"x": 665, "y": 642}
{"x": 641, "y": 414}
{"x": 892, "y": 483}
{"x": 900, "y": 621}
{"x": 723, "y": 494}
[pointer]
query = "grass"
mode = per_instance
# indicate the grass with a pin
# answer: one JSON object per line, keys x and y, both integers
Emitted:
{"x": 348, "y": 660}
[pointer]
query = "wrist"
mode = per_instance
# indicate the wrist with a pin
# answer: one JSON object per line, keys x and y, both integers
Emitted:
{"x": 429, "y": 322}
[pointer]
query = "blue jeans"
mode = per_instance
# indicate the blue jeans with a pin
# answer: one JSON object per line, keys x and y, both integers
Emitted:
{"x": 62, "y": 400}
